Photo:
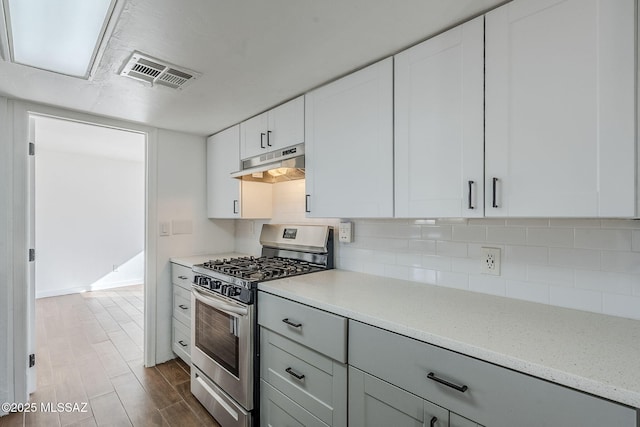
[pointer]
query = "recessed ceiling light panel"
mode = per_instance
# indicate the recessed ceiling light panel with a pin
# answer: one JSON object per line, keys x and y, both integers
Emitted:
{"x": 59, "y": 36}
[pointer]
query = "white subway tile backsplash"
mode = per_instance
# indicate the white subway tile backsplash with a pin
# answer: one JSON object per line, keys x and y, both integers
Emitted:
{"x": 452, "y": 280}
{"x": 409, "y": 259}
{"x": 588, "y": 264}
{"x": 488, "y": 285}
{"x": 619, "y": 223}
{"x": 423, "y": 275}
{"x": 608, "y": 239}
{"x": 436, "y": 262}
{"x": 508, "y": 235}
{"x": 576, "y": 258}
{"x": 396, "y": 272}
{"x": 528, "y": 222}
{"x": 574, "y": 222}
{"x": 621, "y": 262}
{"x": 550, "y": 274}
{"x": 469, "y": 233}
{"x": 487, "y": 221}
{"x": 465, "y": 265}
{"x": 551, "y": 237}
{"x": 605, "y": 282}
{"x": 528, "y": 291}
{"x": 635, "y": 240}
{"x": 526, "y": 254}
{"x": 578, "y": 299}
{"x": 437, "y": 232}
{"x": 424, "y": 246}
{"x": 619, "y": 305}
{"x": 453, "y": 249}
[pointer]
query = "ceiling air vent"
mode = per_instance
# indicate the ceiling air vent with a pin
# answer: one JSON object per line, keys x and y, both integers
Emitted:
{"x": 147, "y": 69}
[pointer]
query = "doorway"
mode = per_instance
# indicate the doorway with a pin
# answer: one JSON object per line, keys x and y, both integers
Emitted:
{"x": 88, "y": 224}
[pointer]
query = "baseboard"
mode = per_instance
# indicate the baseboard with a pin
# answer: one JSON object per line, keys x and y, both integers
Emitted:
{"x": 80, "y": 289}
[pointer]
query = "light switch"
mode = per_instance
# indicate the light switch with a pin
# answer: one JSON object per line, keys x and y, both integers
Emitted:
{"x": 165, "y": 228}
{"x": 345, "y": 232}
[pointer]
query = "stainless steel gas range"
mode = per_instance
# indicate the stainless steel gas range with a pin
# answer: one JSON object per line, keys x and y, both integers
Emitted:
{"x": 224, "y": 354}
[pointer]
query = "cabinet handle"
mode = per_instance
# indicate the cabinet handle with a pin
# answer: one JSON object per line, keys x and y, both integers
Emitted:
{"x": 460, "y": 388}
{"x": 470, "y": 187}
{"x": 294, "y": 374}
{"x": 306, "y": 203}
{"x": 183, "y": 277}
{"x": 495, "y": 184}
{"x": 290, "y": 323}
{"x": 268, "y": 137}
{"x": 433, "y": 422}
{"x": 262, "y": 140}
{"x": 182, "y": 306}
{"x": 182, "y": 343}
{"x": 235, "y": 206}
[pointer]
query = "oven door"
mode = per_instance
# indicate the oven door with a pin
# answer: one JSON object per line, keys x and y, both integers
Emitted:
{"x": 222, "y": 343}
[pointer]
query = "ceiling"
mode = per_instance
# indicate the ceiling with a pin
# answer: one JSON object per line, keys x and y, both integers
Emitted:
{"x": 253, "y": 55}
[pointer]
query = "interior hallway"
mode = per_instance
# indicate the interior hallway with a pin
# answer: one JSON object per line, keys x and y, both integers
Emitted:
{"x": 90, "y": 349}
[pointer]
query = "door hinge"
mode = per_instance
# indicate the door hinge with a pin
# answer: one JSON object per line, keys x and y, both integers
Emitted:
{"x": 32, "y": 149}
{"x": 32, "y": 255}
{"x": 32, "y": 360}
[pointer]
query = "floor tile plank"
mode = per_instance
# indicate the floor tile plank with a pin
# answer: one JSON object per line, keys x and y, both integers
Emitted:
{"x": 108, "y": 411}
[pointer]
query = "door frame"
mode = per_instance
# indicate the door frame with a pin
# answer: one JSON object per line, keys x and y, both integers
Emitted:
{"x": 19, "y": 118}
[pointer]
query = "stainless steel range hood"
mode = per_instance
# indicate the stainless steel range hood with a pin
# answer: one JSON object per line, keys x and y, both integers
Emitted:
{"x": 286, "y": 164}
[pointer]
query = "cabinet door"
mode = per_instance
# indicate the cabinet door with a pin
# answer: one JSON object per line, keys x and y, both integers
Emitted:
{"x": 458, "y": 421}
{"x": 253, "y": 133}
{"x": 439, "y": 129}
{"x": 223, "y": 192}
{"x": 349, "y": 145}
{"x": 560, "y": 90}
{"x": 286, "y": 124}
{"x": 373, "y": 402}
{"x": 277, "y": 410}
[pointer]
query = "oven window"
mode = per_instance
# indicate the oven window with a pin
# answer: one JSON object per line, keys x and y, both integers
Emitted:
{"x": 217, "y": 336}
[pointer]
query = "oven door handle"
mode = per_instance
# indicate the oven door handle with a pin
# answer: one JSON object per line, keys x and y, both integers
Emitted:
{"x": 219, "y": 304}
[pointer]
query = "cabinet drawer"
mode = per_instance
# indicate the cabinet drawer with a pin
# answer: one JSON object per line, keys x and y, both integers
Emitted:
{"x": 323, "y": 388}
{"x": 494, "y": 396}
{"x": 182, "y": 304}
{"x": 277, "y": 410}
{"x": 181, "y": 276}
{"x": 316, "y": 329}
{"x": 181, "y": 342}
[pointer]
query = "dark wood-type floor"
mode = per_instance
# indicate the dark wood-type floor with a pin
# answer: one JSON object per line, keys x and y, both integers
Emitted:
{"x": 90, "y": 349}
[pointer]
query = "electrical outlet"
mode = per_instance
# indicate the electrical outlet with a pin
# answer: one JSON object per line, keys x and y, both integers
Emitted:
{"x": 345, "y": 232}
{"x": 490, "y": 258}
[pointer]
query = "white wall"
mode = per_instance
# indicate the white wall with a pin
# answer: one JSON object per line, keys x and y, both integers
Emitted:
{"x": 6, "y": 309}
{"x": 182, "y": 198}
{"x": 586, "y": 264}
{"x": 89, "y": 218}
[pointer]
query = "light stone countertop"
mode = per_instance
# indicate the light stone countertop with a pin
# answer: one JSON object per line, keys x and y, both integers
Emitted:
{"x": 189, "y": 261}
{"x": 595, "y": 353}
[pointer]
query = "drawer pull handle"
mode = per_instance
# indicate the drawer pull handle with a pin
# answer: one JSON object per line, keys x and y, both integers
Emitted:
{"x": 182, "y": 306}
{"x": 294, "y": 374}
{"x": 434, "y": 420}
{"x": 183, "y": 277}
{"x": 460, "y": 388}
{"x": 290, "y": 323}
{"x": 182, "y": 343}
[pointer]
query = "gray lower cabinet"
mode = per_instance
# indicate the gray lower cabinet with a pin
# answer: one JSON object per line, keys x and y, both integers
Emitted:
{"x": 376, "y": 403}
{"x": 302, "y": 383}
{"x": 181, "y": 278}
{"x": 469, "y": 388}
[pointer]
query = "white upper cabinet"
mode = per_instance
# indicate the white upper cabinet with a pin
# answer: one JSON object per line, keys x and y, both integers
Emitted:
{"x": 280, "y": 127}
{"x": 439, "y": 129}
{"x": 228, "y": 197}
{"x": 560, "y": 109}
{"x": 223, "y": 192}
{"x": 349, "y": 145}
